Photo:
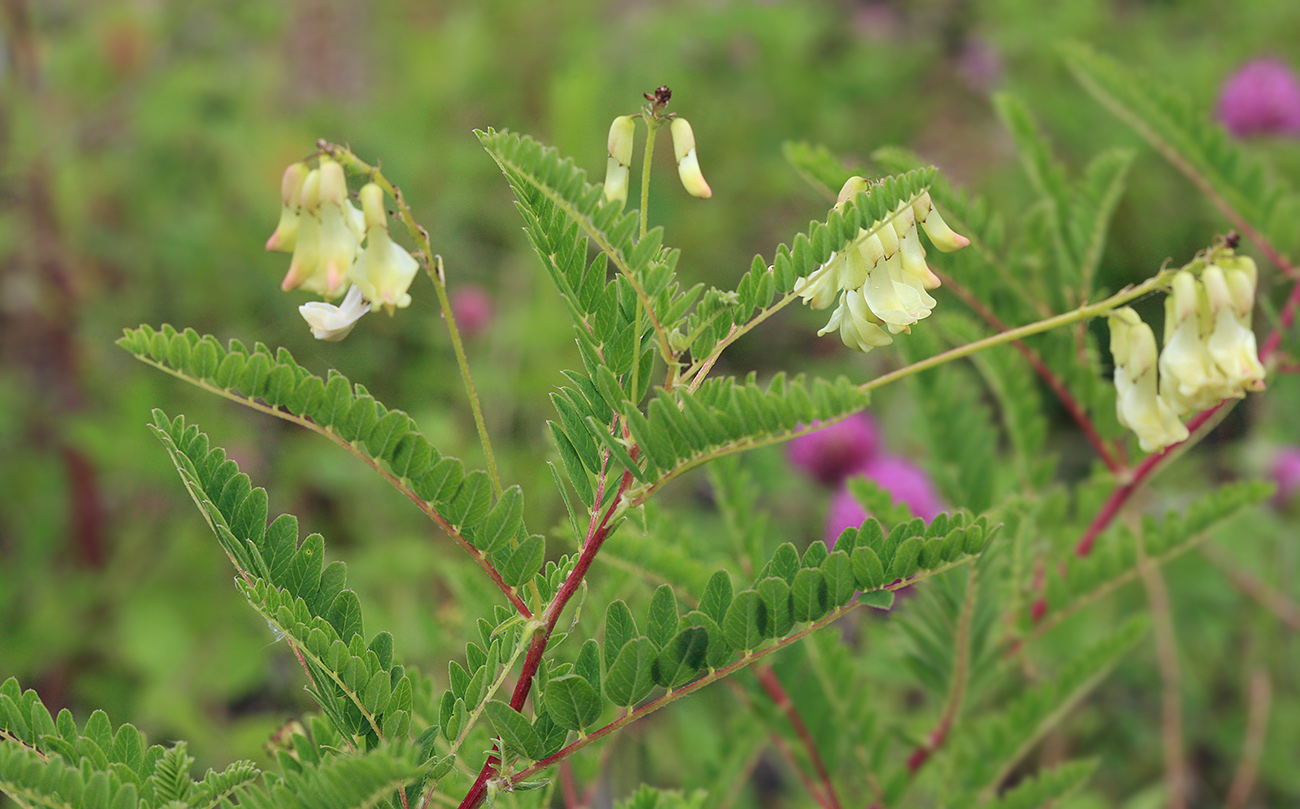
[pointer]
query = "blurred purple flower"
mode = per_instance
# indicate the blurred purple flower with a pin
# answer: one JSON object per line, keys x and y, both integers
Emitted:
{"x": 1286, "y": 474}
{"x": 1262, "y": 98}
{"x": 836, "y": 451}
{"x": 905, "y": 481}
{"x": 472, "y": 307}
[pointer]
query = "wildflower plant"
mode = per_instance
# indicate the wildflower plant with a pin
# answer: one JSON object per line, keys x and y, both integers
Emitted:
{"x": 569, "y": 652}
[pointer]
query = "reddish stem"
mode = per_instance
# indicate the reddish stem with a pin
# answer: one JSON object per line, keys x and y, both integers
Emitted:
{"x": 597, "y": 533}
{"x": 772, "y": 685}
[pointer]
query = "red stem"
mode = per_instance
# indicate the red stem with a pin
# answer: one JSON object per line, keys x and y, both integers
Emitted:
{"x": 772, "y": 685}
{"x": 597, "y": 533}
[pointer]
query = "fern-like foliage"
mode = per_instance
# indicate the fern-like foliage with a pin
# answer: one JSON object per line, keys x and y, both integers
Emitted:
{"x": 1115, "y": 559}
{"x": 359, "y": 688}
{"x": 50, "y": 762}
{"x": 1239, "y": 184}
{"x": 1047, "y": 787}
{"x": 342, "y": 782}
{"x": 459, "y": 501}
{"x": 986, "y": 751}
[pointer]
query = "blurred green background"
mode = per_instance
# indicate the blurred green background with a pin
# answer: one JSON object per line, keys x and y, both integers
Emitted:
{"x": 141, "y": 145}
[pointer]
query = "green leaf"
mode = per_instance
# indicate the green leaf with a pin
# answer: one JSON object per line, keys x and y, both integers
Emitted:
{"x": 681, "y": 658}
{"x": 662, "y": 621}
{"x": 620, "y": 628}
{"x": 515, "y": 731}
{"x": 502, "y": 523}
{"x": 572, "y": 702}
{"x": 812, "y": 598}
{"x": 746, "y": 624}
{"x": 630, "y": 679}
{"x": 717, "y": 596}
{"x": 524, "y": 562}
{"x": 779, "y": 606}
{"x": 880, "y": 599}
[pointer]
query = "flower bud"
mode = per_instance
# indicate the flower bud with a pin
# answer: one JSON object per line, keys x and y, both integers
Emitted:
{"x": 285, "y": 237}
{"x": 621, "y": 133}
{"x": 928, "y": 216}
{"x": 305, "y": 263}
{"x": 333, "y": 323}
{"x": 688, "y": 164}
{"x": 384, "y": 270}
{"x": 852, "y": 187}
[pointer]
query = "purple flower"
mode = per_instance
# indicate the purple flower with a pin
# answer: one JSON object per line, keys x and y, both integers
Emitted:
{"x": 836, "y": 451}
{"x": 1262, "y": 98}
{"x": 906, "y": 482}
{"x": 1286, "y": 474}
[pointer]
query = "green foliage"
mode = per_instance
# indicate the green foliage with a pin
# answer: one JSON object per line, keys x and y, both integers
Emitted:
{"x": 50, "y": 762}
{"x": 365, "y": 696}
{"x": 1118, "y": 555}
{"x": 590, "y": 627}
{"x": 1178, "y": 131}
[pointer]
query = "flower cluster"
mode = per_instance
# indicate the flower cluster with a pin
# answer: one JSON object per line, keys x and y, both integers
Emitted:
{"x": 882, "y": 273}
{"x": 838, "y": 452}
{"x": 1209, "y": 352}
{"x": 339, "y": 248}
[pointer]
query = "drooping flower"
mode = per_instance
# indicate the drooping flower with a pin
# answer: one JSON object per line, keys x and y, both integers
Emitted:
{"x": 688, "y": 162}
{"x": 1231, "y": 294}
{"x": 1190, "y": 379}
{"x": 882, "y": 273}
{"x": 621, "y": 133}
{"x": 384, "y": 270}
{"x": 1262, "y": 98}
{"x": 333, "y": 323}
{"x": 832, "y": 453}
{"x": 329, "y": 233}
{"x": 285, "y": 237}
{"x": 1138, "y": 405}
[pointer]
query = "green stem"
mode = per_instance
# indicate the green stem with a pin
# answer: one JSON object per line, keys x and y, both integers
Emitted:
{"x": 440, "y": 285}
{"x": 433, "y": 266}
{"x": 1088, "y": 312}
{"x": 652, "y": 125}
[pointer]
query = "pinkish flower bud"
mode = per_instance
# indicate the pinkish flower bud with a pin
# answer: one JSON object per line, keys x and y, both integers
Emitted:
{"x": 1262, "y": 98}
{"x": 688, "y": 163}
{"x": 621, "y": 134}
{"x": 285, "y": 237}
{"x": 932, "y": 223}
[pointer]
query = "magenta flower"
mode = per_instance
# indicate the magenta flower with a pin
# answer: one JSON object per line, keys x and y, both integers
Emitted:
{"x": 906, "y": 482}
{"x": 1262, "y": 98}
{"x": 1286, "y": 474}
{"x": 836, "y": 451}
